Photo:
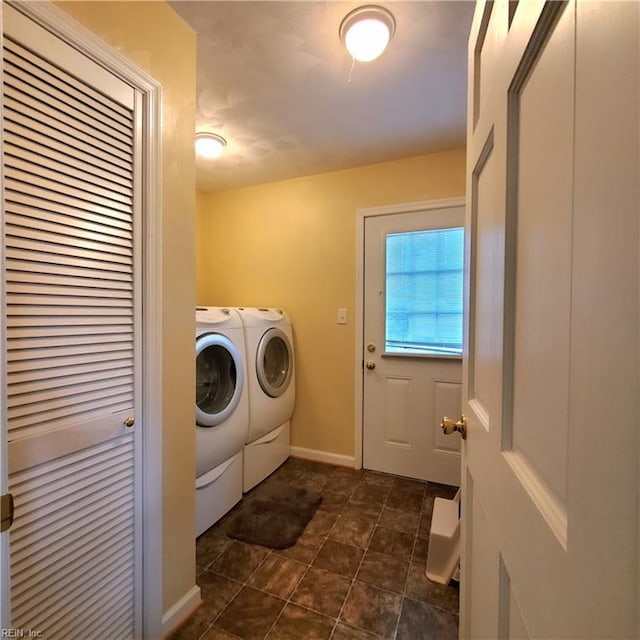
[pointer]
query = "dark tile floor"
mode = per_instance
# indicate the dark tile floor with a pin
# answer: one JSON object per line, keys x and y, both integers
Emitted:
{"x": 357, "y": 571}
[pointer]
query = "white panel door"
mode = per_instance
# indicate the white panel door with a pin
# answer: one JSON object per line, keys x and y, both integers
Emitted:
{"x": 405, "y": 392}
{"x": 70, "y": 141}
{"x": 550, "y": 377}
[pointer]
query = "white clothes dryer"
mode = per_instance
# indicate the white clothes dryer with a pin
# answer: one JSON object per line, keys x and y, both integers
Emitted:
{"x": 222, "y": 412}
{"x": 270, "y": 374}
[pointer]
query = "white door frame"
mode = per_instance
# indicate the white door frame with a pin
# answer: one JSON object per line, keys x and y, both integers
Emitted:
{"x": 148, "y": 443}
{"x": 361, "y": 215}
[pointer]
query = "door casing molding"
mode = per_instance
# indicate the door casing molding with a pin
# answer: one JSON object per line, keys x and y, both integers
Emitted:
{"x": 361, "y": 215}
{"x": 148, "y": 443}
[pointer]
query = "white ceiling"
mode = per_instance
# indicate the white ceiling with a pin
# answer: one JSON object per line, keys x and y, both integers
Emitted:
{"x": 275, "y": 80}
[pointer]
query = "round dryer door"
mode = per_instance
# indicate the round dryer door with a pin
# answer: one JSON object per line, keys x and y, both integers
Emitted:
{"x": 219, "y": 379}
{"x": 274, "y": 362}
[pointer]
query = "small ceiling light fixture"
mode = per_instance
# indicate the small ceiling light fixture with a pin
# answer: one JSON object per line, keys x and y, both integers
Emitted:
{"x": 209, "y": 145}
{"x": 366, "y": 31}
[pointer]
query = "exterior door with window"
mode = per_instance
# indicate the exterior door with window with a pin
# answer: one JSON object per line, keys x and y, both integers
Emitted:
{"x": 413, "y": 266}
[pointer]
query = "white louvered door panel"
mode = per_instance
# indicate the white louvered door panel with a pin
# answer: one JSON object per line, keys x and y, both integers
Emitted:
{"x": 69, "y": 141}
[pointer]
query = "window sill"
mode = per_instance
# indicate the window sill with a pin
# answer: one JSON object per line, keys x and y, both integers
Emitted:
{"x": 421, "y": 356}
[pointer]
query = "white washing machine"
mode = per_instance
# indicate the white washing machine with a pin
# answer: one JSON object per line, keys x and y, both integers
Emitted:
{"x": 270, "y": 373}
{"x": 222, "y": 412}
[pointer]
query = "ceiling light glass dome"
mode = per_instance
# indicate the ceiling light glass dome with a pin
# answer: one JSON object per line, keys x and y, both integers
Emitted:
{"x": 366, "y": 31}
{"x": 209, "y": 145}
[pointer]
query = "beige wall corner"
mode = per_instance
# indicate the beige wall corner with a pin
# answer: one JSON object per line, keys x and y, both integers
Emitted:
{"x": 291, "y": 244}
{"x": 141, "y": 31}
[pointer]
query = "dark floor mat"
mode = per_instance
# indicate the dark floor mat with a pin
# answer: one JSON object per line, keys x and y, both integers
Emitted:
{"x": 277, "y": 517}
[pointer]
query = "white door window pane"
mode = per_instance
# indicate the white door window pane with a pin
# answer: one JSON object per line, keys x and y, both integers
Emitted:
{"x": 424, "y": 292}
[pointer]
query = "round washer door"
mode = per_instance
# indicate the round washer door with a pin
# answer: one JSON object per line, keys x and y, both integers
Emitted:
{"x": 274, "y": 362}
{"x": 219, "y": 378}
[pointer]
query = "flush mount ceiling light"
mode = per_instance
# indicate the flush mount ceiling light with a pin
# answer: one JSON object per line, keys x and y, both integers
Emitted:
{"x": 366, "y": 31}
{"x": 209, "y": 145}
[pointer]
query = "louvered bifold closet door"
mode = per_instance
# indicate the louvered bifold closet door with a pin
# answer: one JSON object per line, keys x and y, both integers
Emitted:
{"x": 68, "y": 163}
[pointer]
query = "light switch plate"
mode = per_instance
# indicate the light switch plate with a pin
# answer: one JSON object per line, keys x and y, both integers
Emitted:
{"x": 342, "y": 316}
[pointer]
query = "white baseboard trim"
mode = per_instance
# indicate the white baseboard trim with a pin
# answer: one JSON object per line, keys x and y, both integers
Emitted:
{"x": 181, "y": 610}
{"x": 323, "y": 456}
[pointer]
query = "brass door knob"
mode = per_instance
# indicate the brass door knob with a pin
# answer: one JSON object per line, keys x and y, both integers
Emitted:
{"x": 129, "y": 421}
{"x": 449, "y": 425}
{"x": 370, "y": 364}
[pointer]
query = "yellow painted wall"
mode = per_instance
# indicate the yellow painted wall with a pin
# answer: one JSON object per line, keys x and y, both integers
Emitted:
{"x": 152, "y": 36}
{"x": 292, "y": 244}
